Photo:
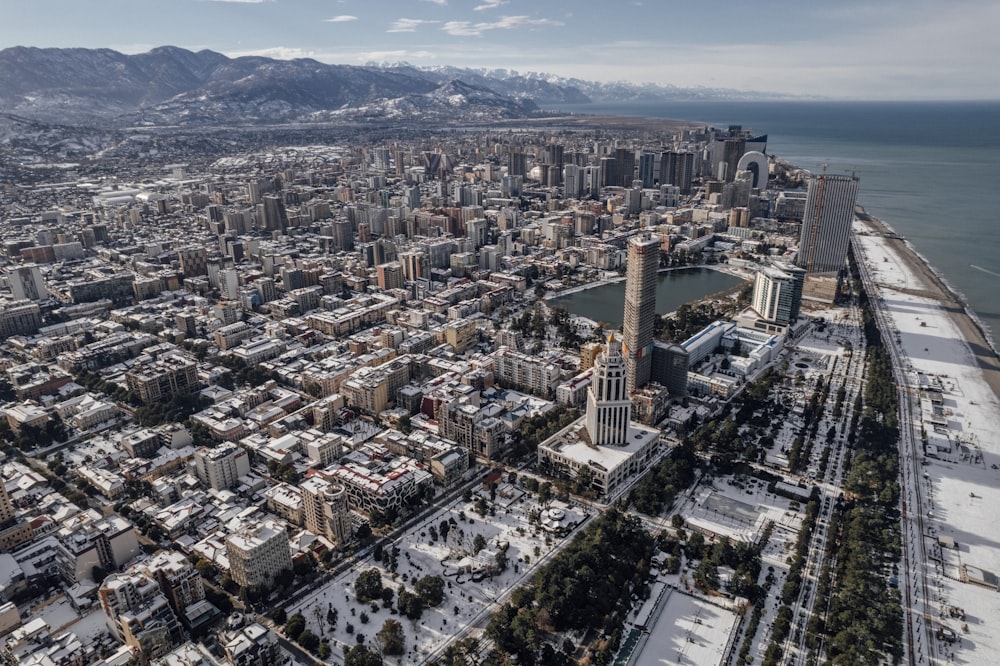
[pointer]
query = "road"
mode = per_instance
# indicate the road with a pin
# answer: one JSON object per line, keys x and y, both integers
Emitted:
{"x": 918, "y": 639}
{"x": 850, "y": 376}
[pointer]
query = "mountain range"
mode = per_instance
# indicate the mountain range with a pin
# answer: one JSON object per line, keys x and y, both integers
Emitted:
{"x": 174, "y": 86}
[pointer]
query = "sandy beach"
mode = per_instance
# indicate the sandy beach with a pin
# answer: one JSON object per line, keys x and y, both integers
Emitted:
{"x": 949, "y": 413}
{"x": 934, "y": 288}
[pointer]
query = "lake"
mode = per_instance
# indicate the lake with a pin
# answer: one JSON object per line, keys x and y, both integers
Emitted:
{"x": 673, "y": 288}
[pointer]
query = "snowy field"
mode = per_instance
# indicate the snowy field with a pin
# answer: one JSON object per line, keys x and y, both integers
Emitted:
{"x": 961, "y": 487}
{"x": 468, "y": 598}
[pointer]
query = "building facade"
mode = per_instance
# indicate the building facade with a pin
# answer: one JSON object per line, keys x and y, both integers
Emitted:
{"x": 324, "y": 506}
{"x": 609, "y": 410}
{"x": 257, "y": 553}
{"x": 826, "y": 223}
{"x": 640, "y": 308}
{"x": 777, "y": 293}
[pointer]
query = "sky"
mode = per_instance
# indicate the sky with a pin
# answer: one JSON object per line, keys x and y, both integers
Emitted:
{"x": 851, "y": 49}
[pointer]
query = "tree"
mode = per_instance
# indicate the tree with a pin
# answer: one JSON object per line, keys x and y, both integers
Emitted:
{"x": 278, "y": 615}
{"x": 308, "y": 640}
{"x": 295, "y": 626}
{"x": 478, "y": 543}
{"x": 368, "y": 585}
{"x": 391, "y": 638}
{"x": 430, "y": 589}
{"x": 409, "y": 604}
{"x": 404, "y": 424}
{"x": 360, "y": 655}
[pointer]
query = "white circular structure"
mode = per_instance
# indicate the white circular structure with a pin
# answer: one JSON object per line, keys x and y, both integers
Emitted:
{"x": 756, "y": 163}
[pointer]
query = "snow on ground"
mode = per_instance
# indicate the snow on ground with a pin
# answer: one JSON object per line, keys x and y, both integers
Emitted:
{"x": 736, "y": 511}
{"x": 960, "y": 482}
{"x": 466, "y": 601}
{"x": 58, "y": 613}
{"x": 90, "y": 627}
{"x": 688, "y": 630}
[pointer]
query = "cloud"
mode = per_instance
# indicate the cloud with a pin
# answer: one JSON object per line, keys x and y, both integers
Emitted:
{"x": 470, "y": 29}
{"x": 277, "y": 52}
{"x": 408, "y": 24}
{"x": 440, "y": 3}
{"x": 490, "y": 4}
{"x": 393, "y": 56}
{"x": 343, "y": 18}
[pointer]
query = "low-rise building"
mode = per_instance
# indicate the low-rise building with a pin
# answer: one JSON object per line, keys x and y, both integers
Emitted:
{"x": 254, "y": 645}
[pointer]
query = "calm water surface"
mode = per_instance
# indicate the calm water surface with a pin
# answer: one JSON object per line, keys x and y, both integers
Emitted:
{"x": 606, "y": 303}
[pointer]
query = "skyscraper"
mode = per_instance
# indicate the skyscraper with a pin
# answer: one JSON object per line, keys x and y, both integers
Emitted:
{"x": 609, "y": 409}
{"x": 826, "y": 223}
{"x": 677, "y": 169}
{"x": 624, "y": 167}
{"x": 646, "y": 172}
{"x": 777, "y": 293}
{"x": 27, "y": 283}
{"x": 640, "y": 308}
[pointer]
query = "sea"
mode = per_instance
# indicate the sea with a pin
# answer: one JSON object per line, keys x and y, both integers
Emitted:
{"x": 928, "y": 169}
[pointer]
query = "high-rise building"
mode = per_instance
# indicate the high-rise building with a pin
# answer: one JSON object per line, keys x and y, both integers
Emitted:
{"x": 573, "y": 182}
{"x": 221, "y": 468}
{"x": 609, "y": 410}
{"x": 27, "y": 283}
{"x": 324, "y": 506}
{"x": 826, "y": 223}
{"x": 588, "y": 354}
{"x": 179, "y": 581}
{"x": 19, "y": 318}
{"x": 258, "y": 553}
{"x": 670, "y": 367}
{"x": 517, "y": 162}
{"x": 643, "y": 260}
{"x": 646, "y": 172}
{"x": 732, "y": 150}
{"x": 13, "y": 531}
{"x": 677, "y": 169}
{"x": 624, "y": 170}
{"x": 139, "y": 614}
{"x": 271, "y": 214}
{"x": 390, "y": 276}
{"x": 777, "y": 293}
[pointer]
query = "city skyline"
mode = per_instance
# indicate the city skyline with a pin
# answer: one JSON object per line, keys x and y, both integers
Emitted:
{"x": 847, "y": 51}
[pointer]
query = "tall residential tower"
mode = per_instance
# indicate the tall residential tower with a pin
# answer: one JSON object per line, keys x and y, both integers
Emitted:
{"x": 826, "y": 224}
{"x": 640, "y": 308}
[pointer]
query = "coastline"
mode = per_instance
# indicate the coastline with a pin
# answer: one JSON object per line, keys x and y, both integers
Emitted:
{"x": 975, "y": 335}
{"x": 943, "y": 284}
